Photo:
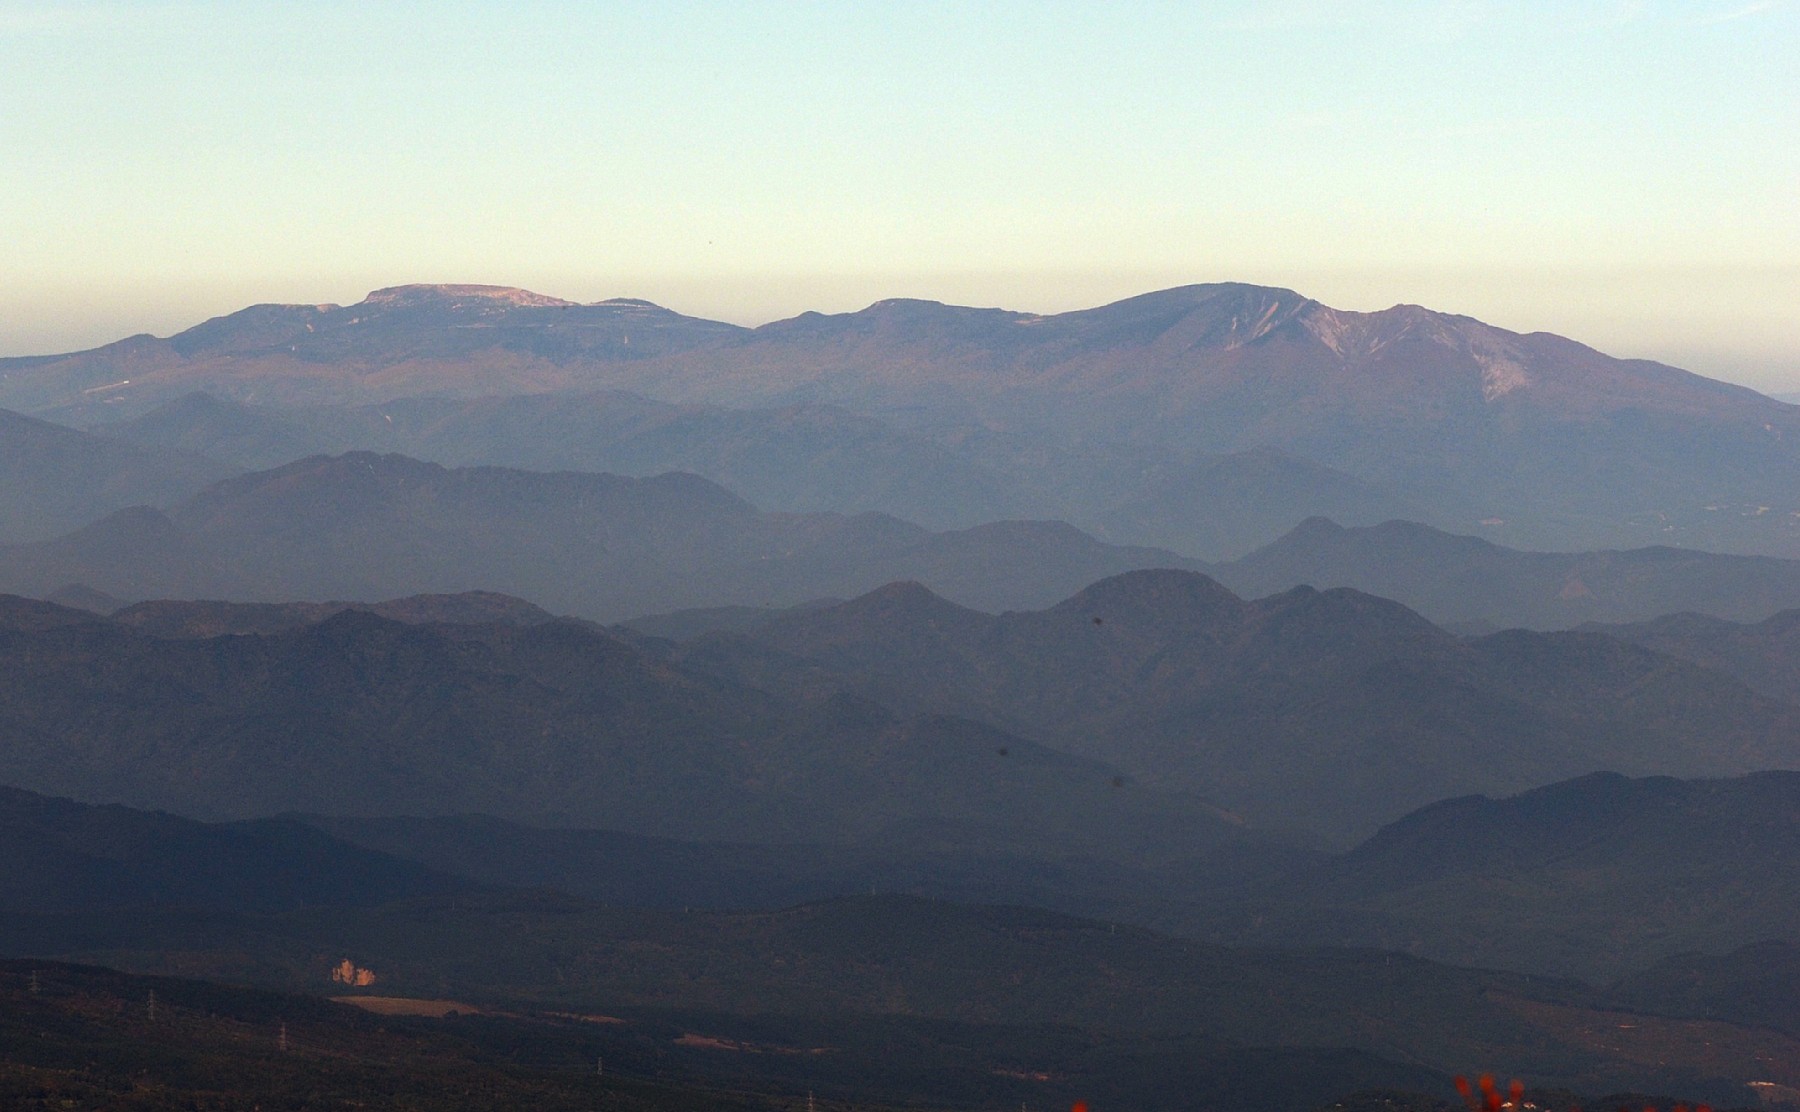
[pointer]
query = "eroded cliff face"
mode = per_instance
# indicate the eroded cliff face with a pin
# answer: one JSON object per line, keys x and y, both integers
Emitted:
{"x": 347, "y": 972}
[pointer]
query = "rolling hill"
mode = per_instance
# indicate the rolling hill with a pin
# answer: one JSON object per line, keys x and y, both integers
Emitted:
{"x": 1757, "y": 984}
{"x": 81, "y": 1036}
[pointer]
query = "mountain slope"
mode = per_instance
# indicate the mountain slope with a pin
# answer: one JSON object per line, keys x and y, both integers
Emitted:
{"x": 179, "y": 619}
{"x": 1218, "y": 506}
{"x": 55, "y": 479}
{"x": 60, "y": 856}
{"x": 1331, "y": 710}
{"x": 557, "y": 722}
{"x": 1464, "y": 579}
{"x": 133, "y": 554}
{"x": 1594, "y": 877}
{"x": 1598, "y": 877}
{"x": 1757, "y": 984}
{"x": 460, "y": 340}
{"x": 32, "y": 616}
{"x": 794, "y": 459}
{"x": 363, "y": 527}
{"x": 1765, "y": 655}
{"x": 1555, "y": 444}
{"x": 253, "y": 438}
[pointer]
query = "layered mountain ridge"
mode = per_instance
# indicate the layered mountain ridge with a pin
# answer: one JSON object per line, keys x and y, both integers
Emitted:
{"x": 1331, "y": 710}
{"x": 364, "y": 527}
{"x": 1325, "y": 713}
{"x": 1471, "y": 581}
{"x": 1536, "y": 439}
{"x": 559, "y": 722}
{"x": 1212, "y": 617}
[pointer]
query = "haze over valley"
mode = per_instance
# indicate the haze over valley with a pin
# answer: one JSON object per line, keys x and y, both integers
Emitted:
{"x": 1239, "y": 557}
{"x": 1208, "y": 419}
{"x": 1171, "y": 613}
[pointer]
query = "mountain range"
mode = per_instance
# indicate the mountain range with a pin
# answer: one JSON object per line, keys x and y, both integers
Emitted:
{"x": 793, "y": 459}
{"x": 1330, "y": 710}
{"x": 1607, "y": 878}
{"x": 1765, "y": 655}
{"x": 892, "y": 715}
{"x": 1211, "y": 699}
{"x": 800, "y": 458}
{"x": 1531, "y": 439}
{"x": 557, "y": 722}
{"x": 365, "y": 527}
{"x": 1470, "y": 582}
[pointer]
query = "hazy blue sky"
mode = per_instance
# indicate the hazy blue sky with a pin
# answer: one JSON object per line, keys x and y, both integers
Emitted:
{"x": 1626, "y": 173}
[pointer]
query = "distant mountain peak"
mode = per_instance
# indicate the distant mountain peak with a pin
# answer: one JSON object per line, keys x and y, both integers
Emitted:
{"x": 1197, "y": 293}
{"x": 424, "y": 293}
{"x": 903, "y": 596}
{"x": 1354, "y": 335}
{"x": 1319, "y": 525}
{"x": 1161, "y": 592}
{"x": 1239, "y": 300}
{"x": 906, "y": 303}
{"x": 904, "y": 590}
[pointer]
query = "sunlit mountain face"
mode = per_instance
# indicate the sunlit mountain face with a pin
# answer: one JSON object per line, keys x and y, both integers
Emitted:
{"x": 1109, "y": 417}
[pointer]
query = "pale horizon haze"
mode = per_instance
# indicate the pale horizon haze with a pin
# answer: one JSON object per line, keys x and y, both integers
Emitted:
{"x": 1626, "y": 174}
